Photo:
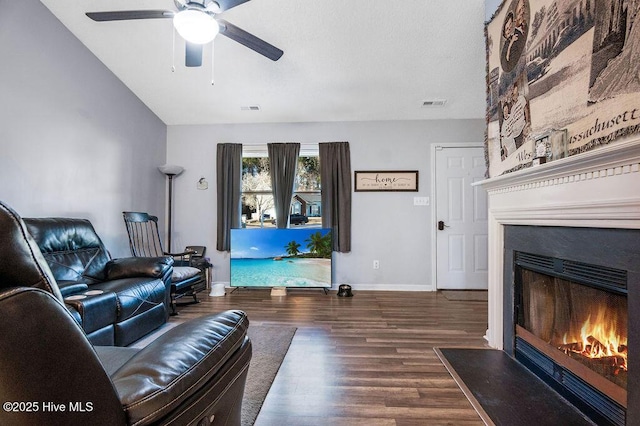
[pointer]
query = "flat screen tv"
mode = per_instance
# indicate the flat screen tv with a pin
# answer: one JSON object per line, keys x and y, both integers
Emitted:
{"x": 281, "y": 257}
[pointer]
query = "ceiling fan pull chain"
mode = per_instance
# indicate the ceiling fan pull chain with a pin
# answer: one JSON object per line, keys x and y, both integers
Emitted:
{"x": 173, "y": 50}
{"x": 212, "y": 64}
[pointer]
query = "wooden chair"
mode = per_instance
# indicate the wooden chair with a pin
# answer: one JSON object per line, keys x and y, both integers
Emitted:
{"x": 190, "y": 270}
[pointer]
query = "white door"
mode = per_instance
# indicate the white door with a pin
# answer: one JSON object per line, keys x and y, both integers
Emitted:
{"x": 461, "y": 218}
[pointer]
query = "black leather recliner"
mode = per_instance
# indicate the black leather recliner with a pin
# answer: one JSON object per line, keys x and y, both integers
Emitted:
{"x": 51, "y": 374}
{"x": 118, "y": 301}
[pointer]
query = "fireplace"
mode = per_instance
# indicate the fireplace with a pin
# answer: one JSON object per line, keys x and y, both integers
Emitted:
{"x": 561, "y": 201}
{"x": 574, "y": 323}
{"x": 571, "y": 291}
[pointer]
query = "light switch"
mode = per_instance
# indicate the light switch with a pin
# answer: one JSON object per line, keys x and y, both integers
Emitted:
{"x": 420, "y": 201}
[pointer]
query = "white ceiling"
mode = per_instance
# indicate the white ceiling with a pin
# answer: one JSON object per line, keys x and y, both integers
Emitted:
{"x": 344, "y": 60}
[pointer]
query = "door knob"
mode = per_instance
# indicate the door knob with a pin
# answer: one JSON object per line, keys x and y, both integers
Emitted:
{"x": 441, "y": 225}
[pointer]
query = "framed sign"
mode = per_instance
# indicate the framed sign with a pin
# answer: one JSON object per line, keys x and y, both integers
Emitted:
{"x": 388, "y": 181}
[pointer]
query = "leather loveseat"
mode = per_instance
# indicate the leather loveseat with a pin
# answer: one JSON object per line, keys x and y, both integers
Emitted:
{"x": 194, "y": 374}
{"x": 116, "y": 301}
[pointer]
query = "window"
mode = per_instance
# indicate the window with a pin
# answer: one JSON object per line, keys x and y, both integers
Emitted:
{"x": 257, "y": 201}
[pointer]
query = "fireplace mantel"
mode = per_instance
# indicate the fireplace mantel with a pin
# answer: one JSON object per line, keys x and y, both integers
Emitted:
{"x": 598, "y": 188}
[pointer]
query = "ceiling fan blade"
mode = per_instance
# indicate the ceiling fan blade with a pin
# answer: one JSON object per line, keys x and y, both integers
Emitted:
{"x": 193, "y": 54}
{"x": 124, "y": 15}
{"x": 228, "y": 4}
{"x": 249, "y": 40}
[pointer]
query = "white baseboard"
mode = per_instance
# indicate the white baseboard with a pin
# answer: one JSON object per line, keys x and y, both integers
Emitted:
{"x": 388, "y": 287}
{"x": 361, "y": 286}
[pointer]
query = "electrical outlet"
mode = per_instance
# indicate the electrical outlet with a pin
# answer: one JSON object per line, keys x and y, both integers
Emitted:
{"x": 376, "y": 264}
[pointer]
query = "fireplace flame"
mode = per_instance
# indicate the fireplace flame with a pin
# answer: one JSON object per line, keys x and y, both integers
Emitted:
{"x": 599, "y": 339}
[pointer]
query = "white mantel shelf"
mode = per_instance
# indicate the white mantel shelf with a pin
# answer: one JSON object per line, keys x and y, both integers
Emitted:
{"x": 608, "y": 156}
{"x": 598, "y": 188}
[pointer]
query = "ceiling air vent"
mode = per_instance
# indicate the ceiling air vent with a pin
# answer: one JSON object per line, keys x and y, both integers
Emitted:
{"x": 433, "y": 103}
{"x": 250, "y": 108}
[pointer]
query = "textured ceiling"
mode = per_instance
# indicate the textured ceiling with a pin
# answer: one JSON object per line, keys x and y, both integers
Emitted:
{"x": 344, "y": 60}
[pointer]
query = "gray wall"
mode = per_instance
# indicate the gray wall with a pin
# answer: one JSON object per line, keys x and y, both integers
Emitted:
{"x": 74, "y": 141}
{"x": 386, "y": 226}
{"x": 490, "y": 7}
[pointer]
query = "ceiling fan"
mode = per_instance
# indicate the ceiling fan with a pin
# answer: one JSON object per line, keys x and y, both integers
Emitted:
{"x": 197, "y": 22}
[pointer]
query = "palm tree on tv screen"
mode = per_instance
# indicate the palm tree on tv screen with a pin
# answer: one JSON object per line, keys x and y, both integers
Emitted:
{"x": 292, "y": 248}
{"x": 321, "y": 245}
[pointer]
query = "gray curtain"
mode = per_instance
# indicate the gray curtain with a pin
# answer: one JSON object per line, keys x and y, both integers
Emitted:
{"x": 283, "y": 160}
{"x": 229, "y": 184}
{"x": 335, "y": 176}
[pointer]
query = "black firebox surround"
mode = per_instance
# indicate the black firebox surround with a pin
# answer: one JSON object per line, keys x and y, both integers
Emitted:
{"x": 612, "y": 248}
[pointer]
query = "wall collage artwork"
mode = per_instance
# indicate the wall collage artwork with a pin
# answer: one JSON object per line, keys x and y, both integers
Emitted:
{"x": 561, "y": 71}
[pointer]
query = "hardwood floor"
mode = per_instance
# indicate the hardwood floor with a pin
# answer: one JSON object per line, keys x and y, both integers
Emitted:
{"x": 365, "y": 360}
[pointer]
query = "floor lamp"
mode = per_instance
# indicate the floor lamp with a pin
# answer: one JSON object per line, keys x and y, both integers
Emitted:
{"x": 171, "y": 171}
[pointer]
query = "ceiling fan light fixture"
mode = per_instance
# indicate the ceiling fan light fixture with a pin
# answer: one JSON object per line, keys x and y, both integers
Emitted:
{"x": 196, "y": 26}
{"x": 213, "y": 7}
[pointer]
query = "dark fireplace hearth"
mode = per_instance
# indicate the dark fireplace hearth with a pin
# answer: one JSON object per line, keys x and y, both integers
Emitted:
{"x": 571, "y": 302}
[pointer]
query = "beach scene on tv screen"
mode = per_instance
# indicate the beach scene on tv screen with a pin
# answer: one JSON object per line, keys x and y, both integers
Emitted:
{"x": 281, "y": 257}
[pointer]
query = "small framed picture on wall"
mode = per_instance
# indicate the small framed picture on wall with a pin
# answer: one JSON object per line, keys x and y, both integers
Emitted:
{"x": 386, "y": 181}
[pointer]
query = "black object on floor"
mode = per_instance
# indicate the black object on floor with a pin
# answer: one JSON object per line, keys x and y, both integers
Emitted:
{"x": 504, "y": 392}
{"x": 344, "y": 290}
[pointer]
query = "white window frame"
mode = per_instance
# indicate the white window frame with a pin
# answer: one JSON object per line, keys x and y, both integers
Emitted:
{"x": 260, "y": 150}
